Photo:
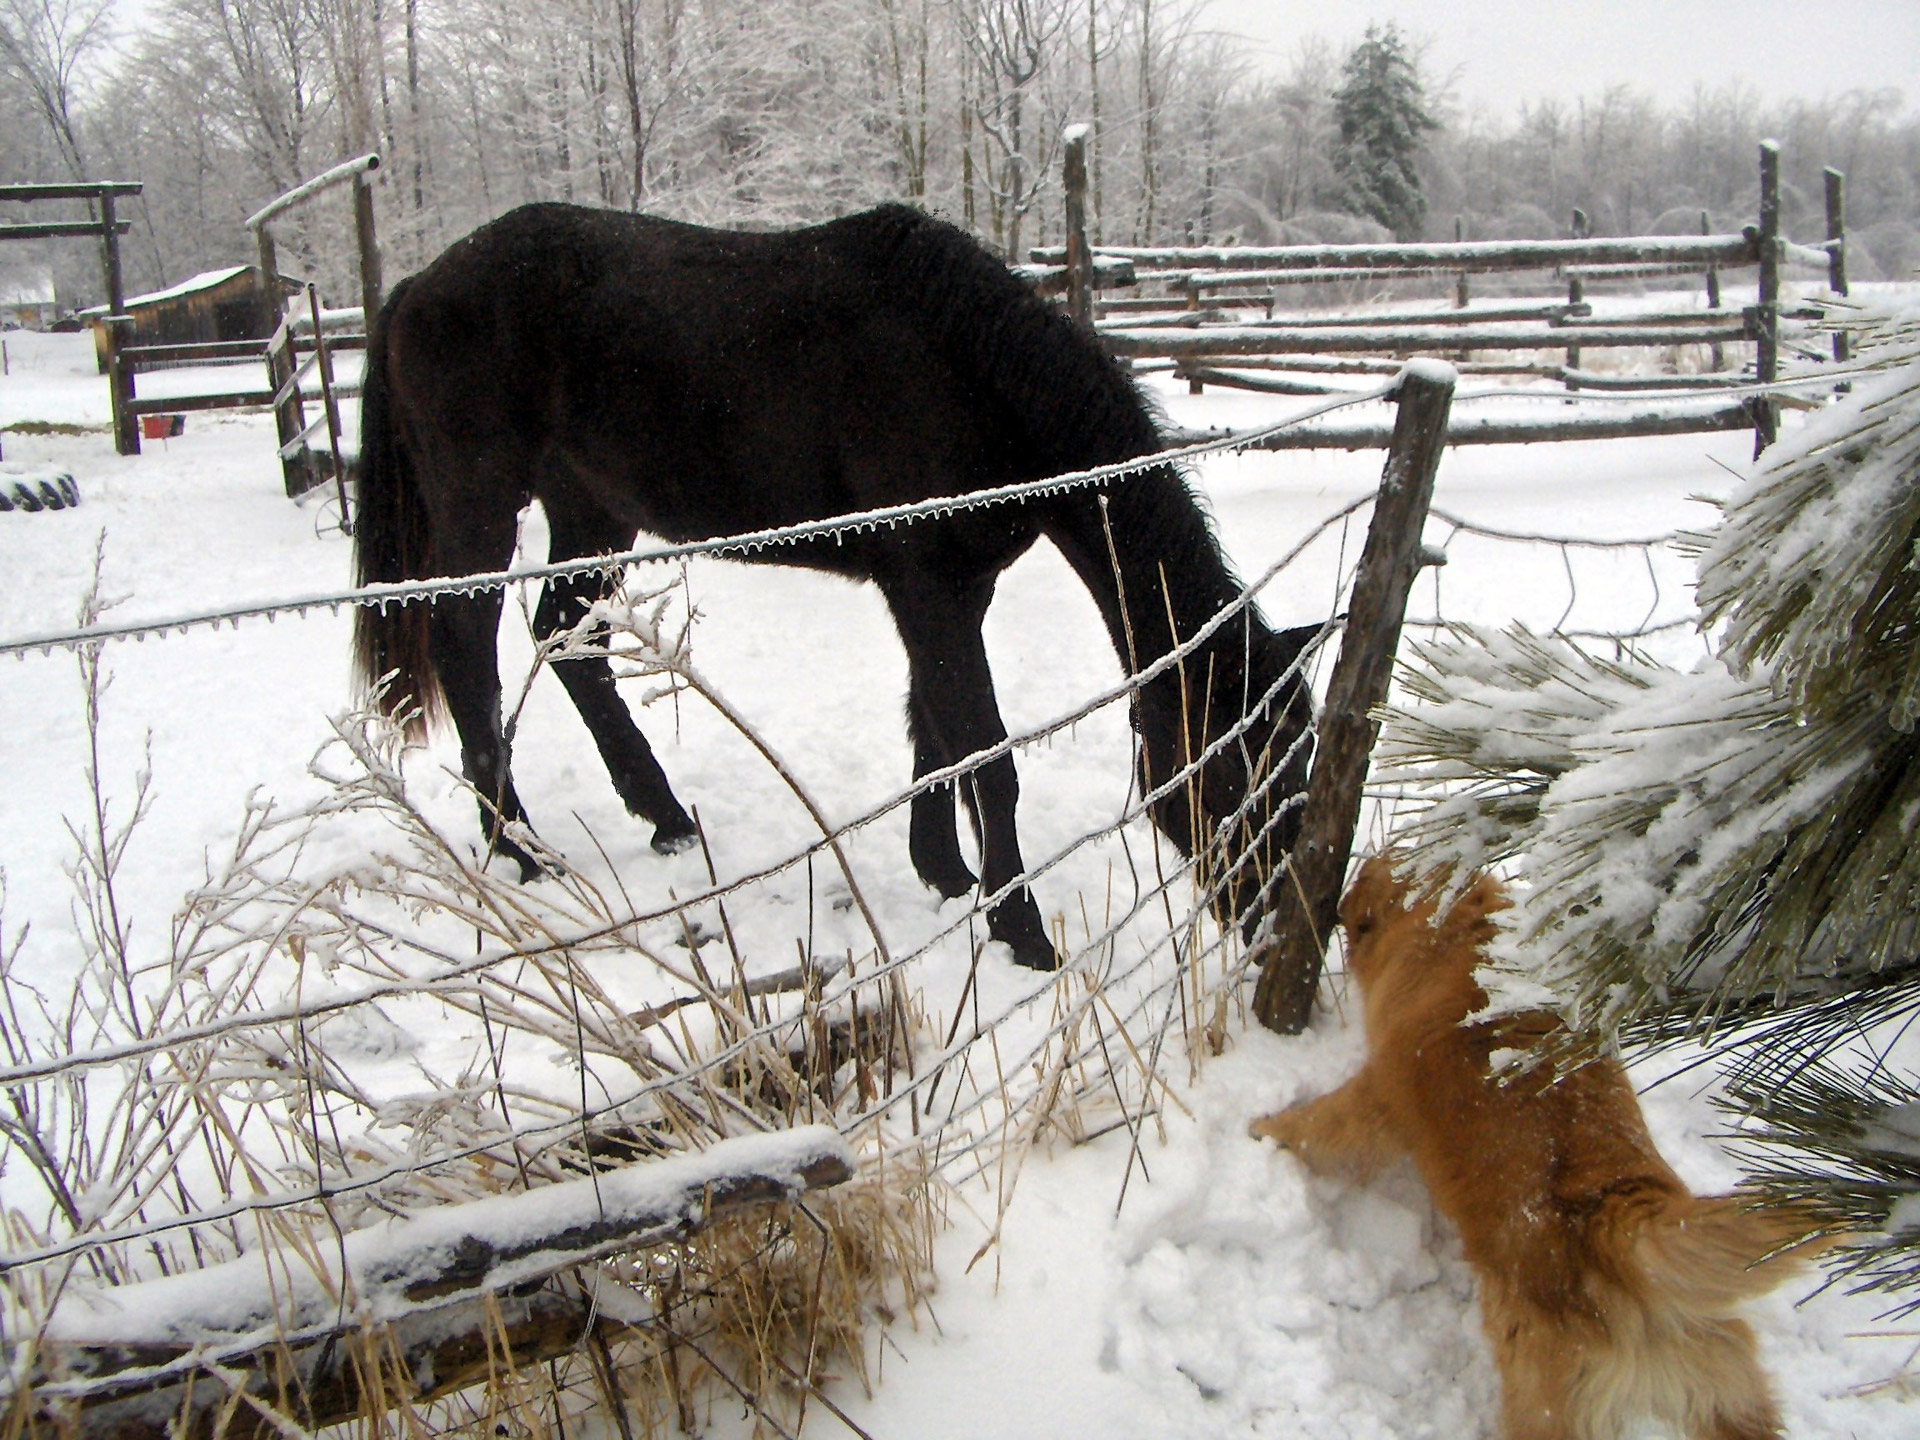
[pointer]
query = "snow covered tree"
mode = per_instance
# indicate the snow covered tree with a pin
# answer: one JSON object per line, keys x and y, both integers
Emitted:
{"x": 1381, "y": 111}
{"x": 1728, "y": 855}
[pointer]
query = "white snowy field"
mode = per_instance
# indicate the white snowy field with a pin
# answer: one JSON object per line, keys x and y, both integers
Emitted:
{"x": 1229, "y": 1295}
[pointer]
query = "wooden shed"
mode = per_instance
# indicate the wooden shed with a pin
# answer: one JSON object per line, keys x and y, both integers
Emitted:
{"x": 230, "y": 304}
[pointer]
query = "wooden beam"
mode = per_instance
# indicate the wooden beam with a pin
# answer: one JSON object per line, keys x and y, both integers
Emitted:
{"x": 1693, "y": 252}
{"x": 82, "y": 190}
{"x": 61, "y": 229}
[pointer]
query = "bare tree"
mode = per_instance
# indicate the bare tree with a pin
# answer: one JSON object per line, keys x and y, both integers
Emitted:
{"x": 46, "y": 47}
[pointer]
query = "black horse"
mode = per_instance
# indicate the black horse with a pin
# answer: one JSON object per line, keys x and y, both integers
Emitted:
{"x": 635, "y": 374}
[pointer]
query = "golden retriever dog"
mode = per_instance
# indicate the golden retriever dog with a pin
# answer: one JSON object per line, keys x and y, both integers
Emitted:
{"x": 1609, "y": 1291}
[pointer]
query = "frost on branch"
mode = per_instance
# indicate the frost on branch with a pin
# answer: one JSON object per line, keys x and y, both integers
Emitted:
{"x": 1727, "y": 853}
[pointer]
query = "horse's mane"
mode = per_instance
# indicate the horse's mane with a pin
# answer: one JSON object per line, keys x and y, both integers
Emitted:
{"x": 1073, "y": 403}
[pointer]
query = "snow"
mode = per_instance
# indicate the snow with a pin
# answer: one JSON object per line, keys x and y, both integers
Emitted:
{"x": 246, "y": 1301}
{"x": 1228, "y": 1294}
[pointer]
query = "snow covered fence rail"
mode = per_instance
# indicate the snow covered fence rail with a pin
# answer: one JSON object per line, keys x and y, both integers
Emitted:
{"x": 167, "y": 1357}
{"x": 1208, "y": 288}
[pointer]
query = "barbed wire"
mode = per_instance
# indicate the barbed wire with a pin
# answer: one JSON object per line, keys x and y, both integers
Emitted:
{"x": 747, "y": 543}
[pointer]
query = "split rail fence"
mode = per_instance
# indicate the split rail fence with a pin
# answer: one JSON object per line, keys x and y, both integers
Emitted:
{"x": 1199, "y": 322}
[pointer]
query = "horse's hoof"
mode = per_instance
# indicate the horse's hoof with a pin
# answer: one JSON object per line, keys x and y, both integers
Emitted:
{"x": 674, "y": 842}
{"x": 950, "y": 885}
{"x": 1016, "y": 924}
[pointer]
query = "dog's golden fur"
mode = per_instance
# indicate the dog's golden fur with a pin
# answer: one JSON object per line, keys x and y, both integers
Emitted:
{"x": 1610, "y": 1292}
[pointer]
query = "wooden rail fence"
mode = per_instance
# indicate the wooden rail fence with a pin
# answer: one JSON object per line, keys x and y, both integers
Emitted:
{"x": 1198, "y": 321}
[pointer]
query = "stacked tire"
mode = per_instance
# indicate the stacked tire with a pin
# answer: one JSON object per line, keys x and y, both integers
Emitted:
{"x": 32, "y": 493}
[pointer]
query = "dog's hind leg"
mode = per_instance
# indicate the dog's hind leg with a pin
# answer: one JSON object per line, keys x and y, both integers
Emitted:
{"x": 1346, "y": 1132}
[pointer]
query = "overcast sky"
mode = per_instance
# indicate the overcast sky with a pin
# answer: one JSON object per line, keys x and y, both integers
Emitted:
{"x": 1498, "y": 53}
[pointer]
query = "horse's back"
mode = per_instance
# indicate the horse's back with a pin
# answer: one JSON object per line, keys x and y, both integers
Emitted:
{"x": 689, "y": 381}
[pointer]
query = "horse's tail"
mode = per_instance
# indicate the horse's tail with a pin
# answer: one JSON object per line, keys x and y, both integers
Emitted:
{"x": 392, "y": 541}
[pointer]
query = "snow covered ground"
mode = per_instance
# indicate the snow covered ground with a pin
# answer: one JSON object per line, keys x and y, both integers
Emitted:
{"x": 1230, "y": 1294}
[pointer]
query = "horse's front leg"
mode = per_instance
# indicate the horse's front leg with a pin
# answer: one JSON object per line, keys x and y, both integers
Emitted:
{"x": 954, "y": 703}
{"x": 589, "y": 682}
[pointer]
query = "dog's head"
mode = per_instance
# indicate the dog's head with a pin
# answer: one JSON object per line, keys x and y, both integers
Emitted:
{"x": 1398, "y": 933}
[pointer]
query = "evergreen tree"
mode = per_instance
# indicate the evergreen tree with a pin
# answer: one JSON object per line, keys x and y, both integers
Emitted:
{"x": 1729, "y": 854}
{"x": 1380, "y": 108}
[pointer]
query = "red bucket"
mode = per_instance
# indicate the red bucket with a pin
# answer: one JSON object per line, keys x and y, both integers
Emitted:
{"x": 161, "y": 427}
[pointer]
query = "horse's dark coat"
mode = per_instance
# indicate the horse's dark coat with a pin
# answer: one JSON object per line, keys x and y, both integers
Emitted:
{"x": 636, "y": 374}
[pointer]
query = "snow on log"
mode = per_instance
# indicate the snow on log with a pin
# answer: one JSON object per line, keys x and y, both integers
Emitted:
{"x": 1695, "y": 252}
{"x": 1617, "y": 422}
{"x": 124, "y": 1359}
{"x": 1295, "y": 339}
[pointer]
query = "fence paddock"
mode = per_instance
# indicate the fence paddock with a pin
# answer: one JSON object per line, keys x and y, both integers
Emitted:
{"x": 1307, "y": 893}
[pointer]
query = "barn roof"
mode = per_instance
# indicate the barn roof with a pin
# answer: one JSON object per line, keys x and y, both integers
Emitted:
{"x": 205, "y": 280}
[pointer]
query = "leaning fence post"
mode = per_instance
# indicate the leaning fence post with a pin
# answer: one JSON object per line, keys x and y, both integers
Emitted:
{"x": 1837, "y": 252}
{"x": 1766, "y": 315}
{"x": 1079, "y": 257}
{"x": 1307, "y": 895}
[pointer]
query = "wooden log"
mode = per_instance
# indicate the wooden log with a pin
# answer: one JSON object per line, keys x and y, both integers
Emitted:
{"x": 1766, "y": 423}
{"x": 146, "y": 357}
{"x": 1359, "y": 339}
{"x": 1713, "y": 298}
{"x": 1307, "y": 895}
{"x": 222, "y": 400}
{"x": 435, "y": 1294}
{"x": 306, "y": 190}
{"x": 1612, "y": 424}
{"x": 1476, "y": 255}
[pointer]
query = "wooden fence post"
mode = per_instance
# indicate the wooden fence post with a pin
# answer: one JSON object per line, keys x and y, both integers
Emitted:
{"x": 371, "y": 291}
{"x": 1576, "y": 294}
{"x": 1837, "y": 252}
{"x": 1766, "y": 413}
{"x": 1307, "y": 898}
{"x": 1079, "y": 256}
{"x": 126, "y": 428}
{"x": 1713, "y": 298}
{"x": 1461, "y": 294}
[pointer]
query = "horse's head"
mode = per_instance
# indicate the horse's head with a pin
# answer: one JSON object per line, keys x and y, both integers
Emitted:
{"x": 1228, "y": 737}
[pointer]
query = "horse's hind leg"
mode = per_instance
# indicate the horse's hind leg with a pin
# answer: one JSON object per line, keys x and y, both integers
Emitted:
{"x": 955, "y": 715}
{"x": 636, "y": 774}
{"x": 465, "y": 635}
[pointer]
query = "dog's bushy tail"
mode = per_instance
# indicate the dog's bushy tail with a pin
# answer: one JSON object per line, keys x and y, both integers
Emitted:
{"x": 1708, "y": 1256}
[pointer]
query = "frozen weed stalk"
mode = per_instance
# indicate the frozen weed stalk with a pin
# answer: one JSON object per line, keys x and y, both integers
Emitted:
{"x": 320, "y": 1050}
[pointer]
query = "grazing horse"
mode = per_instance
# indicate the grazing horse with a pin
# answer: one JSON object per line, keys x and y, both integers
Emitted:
{"x": 635, "y": 374}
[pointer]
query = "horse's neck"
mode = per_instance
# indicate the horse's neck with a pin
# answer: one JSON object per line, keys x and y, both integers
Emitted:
{"x": 1151, "y": 563}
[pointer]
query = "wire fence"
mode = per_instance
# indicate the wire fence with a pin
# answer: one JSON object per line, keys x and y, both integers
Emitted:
{"x": 251, "y": 1091}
